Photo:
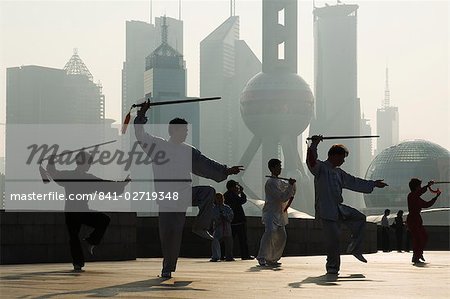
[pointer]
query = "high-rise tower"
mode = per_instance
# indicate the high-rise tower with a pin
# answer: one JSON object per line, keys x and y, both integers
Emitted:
{"x": 277, "y": 104}
{"x": 142, "y": 38}
{"x": 337, "y": 109}
{"x": 165, "y": 79}
{"x": 387, "y": 121}
{"x": 226, "y": 64}
{"x": 42, "y": 95}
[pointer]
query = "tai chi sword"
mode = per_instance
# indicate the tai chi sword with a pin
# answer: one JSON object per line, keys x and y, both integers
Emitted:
{"x": 151, "y": 104}
{"x": 346, "y": 137}
{"x": 46, "y": 177}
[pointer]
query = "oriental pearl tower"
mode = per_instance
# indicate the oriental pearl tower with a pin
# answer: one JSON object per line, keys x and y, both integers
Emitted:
{"x": 277, "y": 104}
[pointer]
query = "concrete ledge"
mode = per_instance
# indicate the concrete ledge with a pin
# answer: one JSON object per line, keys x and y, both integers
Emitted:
{"x": 304, "y": 238}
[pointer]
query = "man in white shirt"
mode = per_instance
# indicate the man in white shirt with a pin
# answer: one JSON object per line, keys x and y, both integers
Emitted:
{"x": 329, "y": 180}
{"x": 184, "y": 160}
{"x": 278, "y": 192}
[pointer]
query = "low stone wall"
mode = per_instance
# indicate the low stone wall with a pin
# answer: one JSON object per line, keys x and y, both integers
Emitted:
{"x": 304, "y": 238}
{"x": 438, "y": 238}
{"x": 31, "y": 237}
{"x": 42, "y": 238}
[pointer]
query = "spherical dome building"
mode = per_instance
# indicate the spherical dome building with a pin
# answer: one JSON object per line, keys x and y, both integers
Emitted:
{"x": 398, "y": 164}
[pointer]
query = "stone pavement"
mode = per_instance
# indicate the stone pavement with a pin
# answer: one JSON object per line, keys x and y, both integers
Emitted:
{"x": 387, "y": 275}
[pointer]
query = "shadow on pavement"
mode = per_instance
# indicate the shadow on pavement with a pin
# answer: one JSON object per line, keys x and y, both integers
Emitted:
{"x": 155, "y": 284}
{"x": 42, "y": 274}
{"x": 329, "y": 280}
{"x": 259, "y": 268}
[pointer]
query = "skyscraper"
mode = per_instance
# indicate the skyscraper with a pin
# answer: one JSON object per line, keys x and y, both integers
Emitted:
{"x": 142, "y": 38}
{"x": 226, "y": 64}
{"x": 165, "y": 79}
{"x": 42, "y": 95}
{"x": 337, "y": 110}
{"x": 387, "y": 121}
{"x": 366, "y": 145}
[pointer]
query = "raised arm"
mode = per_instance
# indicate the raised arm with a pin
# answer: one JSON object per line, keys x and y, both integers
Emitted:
{"x": 55, "y": 174}
{"x": 311, "y": 156}
{"x": 145, "y": 139}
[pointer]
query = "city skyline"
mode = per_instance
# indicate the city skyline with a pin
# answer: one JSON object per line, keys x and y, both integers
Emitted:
{"x": 412, "y": 39}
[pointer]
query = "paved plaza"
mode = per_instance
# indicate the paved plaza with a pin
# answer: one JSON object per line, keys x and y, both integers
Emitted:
{"x": 387, "y": 275}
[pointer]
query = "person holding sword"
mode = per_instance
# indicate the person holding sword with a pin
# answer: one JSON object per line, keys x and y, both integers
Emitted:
{"x": 274, "y": 217}
{"x": 414, "y": 220}
{"x": 172, "y": 217}
{"x": 329, "y": 180}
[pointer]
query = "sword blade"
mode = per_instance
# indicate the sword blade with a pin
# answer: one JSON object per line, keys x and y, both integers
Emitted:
{"x": 80, "y": 149}
{"x": 184, "y": 101}
{"x": 346, "y": 137}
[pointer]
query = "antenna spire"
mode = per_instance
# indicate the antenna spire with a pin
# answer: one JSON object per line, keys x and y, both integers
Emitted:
{"x": 151, "y": 11}
{"x": 387, "y": 93}
{"x": 232, "y": 8}
{"x": 164, "y": 31}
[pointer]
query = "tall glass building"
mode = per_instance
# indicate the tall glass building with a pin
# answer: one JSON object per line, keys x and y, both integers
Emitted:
{"x": 398, "y": 164}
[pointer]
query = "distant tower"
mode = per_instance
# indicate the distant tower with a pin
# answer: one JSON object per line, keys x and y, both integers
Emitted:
{"x": 366, "y": 145}
{"x": 142, "y": 38}
{"x": 42, "y": 95}
{"x": 277, "y": 104}
{"x": 337, "y": 109}
{"x": 165, "y": 79}
{"x": 387, "y": 121}
{"x": 87, "y": 101}
{"x": 226, "y": 65}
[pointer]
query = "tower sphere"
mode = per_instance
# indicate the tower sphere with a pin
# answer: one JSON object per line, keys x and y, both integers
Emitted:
{"x": 277, "y": 104}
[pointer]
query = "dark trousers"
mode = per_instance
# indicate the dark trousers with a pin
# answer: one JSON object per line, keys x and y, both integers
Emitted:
{"x": 356, "y": 222}
{"x": 399, "y": 239}
{"x": 216, "y": 250}
{"x": 240, "y": 230}
{"x": 171, "y": 225}
{"x": 98, "y": 221}
{"x": 385, "y": 239}
{"x": 419, "y": 239}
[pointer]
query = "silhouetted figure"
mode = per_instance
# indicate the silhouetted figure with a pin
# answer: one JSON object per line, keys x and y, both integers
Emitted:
{"x": 79, "y": 182}
{"x": 222, "y": 217}
{"x": 414, "y": 220}
{"x": 235, "y": 198}
{"x": 329, "y": 180}
{"x": 278, "y": 192}
{"x": 171, "y": 218}
{"x": 399, "y": 228}
{"x": 408, "y": 239}
{"x": 385, "y": 231}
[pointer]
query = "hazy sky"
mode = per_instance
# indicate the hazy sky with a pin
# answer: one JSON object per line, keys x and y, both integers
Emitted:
{"x": 412, "y": 37}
